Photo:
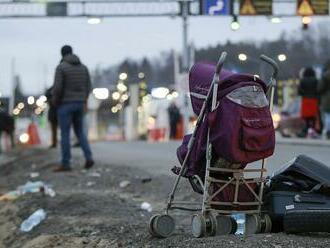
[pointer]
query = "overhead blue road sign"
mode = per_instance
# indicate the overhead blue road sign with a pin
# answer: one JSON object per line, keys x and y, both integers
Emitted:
{"x": 216, "y": 7}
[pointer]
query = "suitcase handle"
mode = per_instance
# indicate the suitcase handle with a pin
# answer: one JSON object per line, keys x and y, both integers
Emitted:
{"x": 306, "y": 199}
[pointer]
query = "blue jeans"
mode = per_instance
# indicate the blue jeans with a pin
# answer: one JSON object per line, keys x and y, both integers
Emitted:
{"x": 72, "y": 113}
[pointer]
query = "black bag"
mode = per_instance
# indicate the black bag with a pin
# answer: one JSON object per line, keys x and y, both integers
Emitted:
{"x": 302, "y": 174}
{"x": 302, "y": 184}
{"x": 302, "y": 221}
{"x": 278, "y": 203}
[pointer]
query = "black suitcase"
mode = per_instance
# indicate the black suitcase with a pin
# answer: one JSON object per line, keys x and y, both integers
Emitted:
{"x": 302, "y": 221}
{"x": 301, "y": 174}
{"x": 278, "y": 203}
{"x": 300, "y": 185}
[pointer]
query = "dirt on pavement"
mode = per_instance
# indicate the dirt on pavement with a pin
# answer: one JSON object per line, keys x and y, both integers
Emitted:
{"x": 90, "y": 209}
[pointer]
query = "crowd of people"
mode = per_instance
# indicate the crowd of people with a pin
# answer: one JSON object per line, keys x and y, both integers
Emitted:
{"x": 315, "y": 103}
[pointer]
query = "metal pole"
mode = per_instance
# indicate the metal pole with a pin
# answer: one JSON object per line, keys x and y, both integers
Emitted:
{"x": 185, "y": 58}
{"x": 214, "y": 88}
{"x": 13, "y": 85}
{"x": 45, "y": 72}
{"x": 185, "y": 53}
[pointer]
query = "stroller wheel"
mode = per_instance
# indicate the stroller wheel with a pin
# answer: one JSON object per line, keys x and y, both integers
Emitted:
{"x": 225, "y": 225}
{"x": 234, "y": 225}
{"x": 198, "y": 225}
{"x": 211, "y": 224}
{"x": 161, "y": 226}
{"x": 150, "y": 225}
{"x": 267, "y": 224}
{"x": 252, "y": 224}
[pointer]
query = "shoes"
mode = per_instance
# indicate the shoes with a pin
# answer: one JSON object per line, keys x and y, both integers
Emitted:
{"x": 52, "y": 146}
{"x": 89, "y": 164}
{"x": 61, "y": 168}
{"x": 312, "y": 134}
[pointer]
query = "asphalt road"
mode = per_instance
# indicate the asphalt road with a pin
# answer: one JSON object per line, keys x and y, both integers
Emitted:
{"x": 159, "y": 158}
{"x": 92, "y": 210}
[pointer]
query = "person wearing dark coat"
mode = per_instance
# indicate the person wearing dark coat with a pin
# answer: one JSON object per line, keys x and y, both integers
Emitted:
{"x": 310, "y": 100}
{"x": 52, "y": 117}
{"x": 71, "y": 89}
{"x": 7, "y": 125}
{"x": 174, "y": 117}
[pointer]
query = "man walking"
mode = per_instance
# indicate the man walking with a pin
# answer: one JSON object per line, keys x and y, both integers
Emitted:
{"x": 71, "y": 89}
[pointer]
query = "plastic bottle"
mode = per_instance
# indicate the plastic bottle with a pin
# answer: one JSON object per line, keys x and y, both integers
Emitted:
{"x": 146, "y": 206}
{"x": 30, "y": 187}
{"x": 34, "y": 219}
{"x": 49, "y": 191}
{"x": 240, "y": 220}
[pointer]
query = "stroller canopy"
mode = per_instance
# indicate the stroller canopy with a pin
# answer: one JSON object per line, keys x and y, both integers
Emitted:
{"x": 240, "y": 127}
{"x": 200, "y": 80}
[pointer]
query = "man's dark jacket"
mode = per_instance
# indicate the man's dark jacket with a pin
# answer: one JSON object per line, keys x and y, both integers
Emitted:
{"x": 72, "y": 81}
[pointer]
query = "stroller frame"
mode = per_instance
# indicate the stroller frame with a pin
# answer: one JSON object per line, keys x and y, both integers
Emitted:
{"x": 205, "y": 222}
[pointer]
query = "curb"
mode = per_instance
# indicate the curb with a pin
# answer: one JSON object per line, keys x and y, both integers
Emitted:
{"x": 302, "y": 142}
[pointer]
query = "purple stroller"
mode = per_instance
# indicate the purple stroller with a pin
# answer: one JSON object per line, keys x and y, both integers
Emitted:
{"x": 234, "y": 128}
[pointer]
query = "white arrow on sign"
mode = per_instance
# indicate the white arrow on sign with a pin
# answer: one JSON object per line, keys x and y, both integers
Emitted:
{"x": 219, "y": 7}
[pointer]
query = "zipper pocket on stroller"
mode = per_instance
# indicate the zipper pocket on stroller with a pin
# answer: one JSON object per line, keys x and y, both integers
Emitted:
{"x": 257, "y": 135}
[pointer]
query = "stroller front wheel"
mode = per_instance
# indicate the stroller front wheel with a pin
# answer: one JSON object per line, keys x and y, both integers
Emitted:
{"x": 226, "y": 225}
{"x": 150, "y": 225}
{"x": 161, "y": 226}
{"x": 211, "y": 224}
{"x": 267, "y": 224}
{"x": 252, "y": 224}
{"x": 198, "y": 225}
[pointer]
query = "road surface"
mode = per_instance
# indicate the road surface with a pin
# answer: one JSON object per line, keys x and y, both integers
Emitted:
{"x": 91, "y": 209}
{"x": 159, "y": 158}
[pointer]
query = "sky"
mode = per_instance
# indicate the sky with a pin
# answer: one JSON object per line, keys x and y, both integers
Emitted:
{"x": 33, "y": 45}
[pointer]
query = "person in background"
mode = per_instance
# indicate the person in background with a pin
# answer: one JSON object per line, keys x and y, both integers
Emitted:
{"x": 324, "y": 90}
{"x": 71, "y": 88}
{"x": 7, "y": 125}
{"x": 174, "y": 118}
{"x": 310, "y": 102}
{"x": 52, "y": 118}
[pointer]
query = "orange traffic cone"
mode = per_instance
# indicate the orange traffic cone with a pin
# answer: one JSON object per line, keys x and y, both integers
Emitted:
{"x": 33, "y": 134}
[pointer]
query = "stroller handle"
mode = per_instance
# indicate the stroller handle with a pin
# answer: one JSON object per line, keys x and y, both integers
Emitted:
{"x": 220, "y": 63}
{"x": 272, "y": 63}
